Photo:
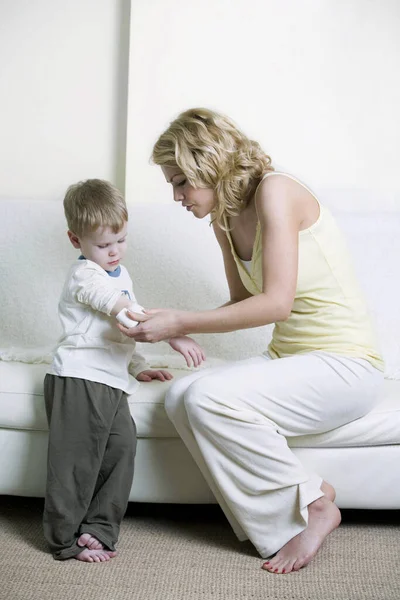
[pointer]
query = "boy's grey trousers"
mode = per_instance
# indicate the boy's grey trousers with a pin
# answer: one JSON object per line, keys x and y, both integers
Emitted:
{"x": 92, "y": 445}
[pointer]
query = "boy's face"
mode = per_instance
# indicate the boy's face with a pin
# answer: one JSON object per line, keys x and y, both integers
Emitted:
{"x": 103, "y": 246}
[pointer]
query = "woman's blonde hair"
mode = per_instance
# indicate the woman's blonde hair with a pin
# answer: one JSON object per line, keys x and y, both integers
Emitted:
{"x": 94, "y": 203}
{"x": 213, "y": 153}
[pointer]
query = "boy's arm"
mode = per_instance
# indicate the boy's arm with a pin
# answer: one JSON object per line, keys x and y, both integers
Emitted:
{"x": 139, "y": 369}
{"x": 138, "y": 364}
{"x": 91, "y": 286}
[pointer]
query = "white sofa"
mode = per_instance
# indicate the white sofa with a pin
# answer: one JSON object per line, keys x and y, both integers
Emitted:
{"x": 175, "y": 261}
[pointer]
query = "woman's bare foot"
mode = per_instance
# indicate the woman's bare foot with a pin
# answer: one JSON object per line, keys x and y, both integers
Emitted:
{"x": 323, "y": 518}
{"x": 95, "y": 555}
{"x": 91, "y": 542}
{"x": 328, "y": 490}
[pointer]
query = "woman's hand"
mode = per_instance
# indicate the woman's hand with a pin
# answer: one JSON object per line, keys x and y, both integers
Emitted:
{"x": 192, "y": 352}
{"x": 155, "y": 325}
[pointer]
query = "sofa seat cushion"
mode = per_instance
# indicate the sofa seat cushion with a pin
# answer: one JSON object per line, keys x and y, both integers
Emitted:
{"x": 22, "y": 401}
{"x": 22, "y": 407}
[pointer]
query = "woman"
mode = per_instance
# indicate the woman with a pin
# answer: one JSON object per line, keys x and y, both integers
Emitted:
{"x": 286, "y": 263}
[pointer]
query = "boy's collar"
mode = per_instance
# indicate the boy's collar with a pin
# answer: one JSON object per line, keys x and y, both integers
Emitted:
{"x": 115, "y": 273}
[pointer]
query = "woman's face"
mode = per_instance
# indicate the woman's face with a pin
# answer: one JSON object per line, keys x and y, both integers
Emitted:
{"x": 199, "y": 201}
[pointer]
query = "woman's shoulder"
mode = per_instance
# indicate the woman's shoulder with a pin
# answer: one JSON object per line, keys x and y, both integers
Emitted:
{"x": 275, "y": 192}
{"x": 278, "y": 181}
{"x": 282, "y": 197}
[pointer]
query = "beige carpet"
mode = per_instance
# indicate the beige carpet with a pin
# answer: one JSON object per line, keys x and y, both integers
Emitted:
{"x": 190, "y": 553}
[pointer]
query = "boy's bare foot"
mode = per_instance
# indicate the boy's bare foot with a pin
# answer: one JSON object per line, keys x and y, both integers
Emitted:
{"x": 323, "y": 518}
{"x": 95, "y": 555}
{"x": 91, "y": 542}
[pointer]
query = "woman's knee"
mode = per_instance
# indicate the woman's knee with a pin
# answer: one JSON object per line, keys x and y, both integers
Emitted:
{"x": 200, "y": 398}
{"x": 174, "y": 398}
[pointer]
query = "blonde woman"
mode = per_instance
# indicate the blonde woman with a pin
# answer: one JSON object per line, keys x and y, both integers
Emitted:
{"x": 286, "y": 263}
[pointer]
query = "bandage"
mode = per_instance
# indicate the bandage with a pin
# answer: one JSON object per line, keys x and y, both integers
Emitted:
{"x": 122, "y": 316}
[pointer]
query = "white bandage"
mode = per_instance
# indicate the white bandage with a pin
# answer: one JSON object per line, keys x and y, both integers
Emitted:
{"x": 122, "y": 316}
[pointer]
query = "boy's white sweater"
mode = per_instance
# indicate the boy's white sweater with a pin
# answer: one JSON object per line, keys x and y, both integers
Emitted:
{"x": 92, "y": 347}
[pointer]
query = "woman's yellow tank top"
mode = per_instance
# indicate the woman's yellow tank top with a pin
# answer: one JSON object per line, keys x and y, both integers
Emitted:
{"x": 329, "y": 312}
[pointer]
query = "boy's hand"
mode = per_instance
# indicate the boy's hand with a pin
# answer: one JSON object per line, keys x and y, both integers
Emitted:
{"x": 150, "y": 374}
{"x": 190, "y": 350}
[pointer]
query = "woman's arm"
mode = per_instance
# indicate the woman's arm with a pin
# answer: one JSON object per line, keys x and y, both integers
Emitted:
{"x": 280, "y": 223}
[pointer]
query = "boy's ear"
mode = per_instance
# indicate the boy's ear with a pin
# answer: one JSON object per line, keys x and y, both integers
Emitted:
{"x": 74, "y": 240}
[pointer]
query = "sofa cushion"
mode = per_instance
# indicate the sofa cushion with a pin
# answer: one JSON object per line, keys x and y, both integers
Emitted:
{"x": 374, "y": 242}
{"x": 22, "y": 407}
{"x": 22, "y": 402}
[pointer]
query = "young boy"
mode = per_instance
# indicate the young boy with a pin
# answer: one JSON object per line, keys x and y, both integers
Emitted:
{"x": 92, "y": 437}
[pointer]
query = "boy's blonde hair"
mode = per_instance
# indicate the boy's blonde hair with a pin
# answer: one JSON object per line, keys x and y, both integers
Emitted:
{"x": 94, "y": 203}
{"x": 213, "y": 153}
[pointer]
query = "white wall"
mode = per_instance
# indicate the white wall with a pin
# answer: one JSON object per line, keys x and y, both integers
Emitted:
{"x": 316, "y": 82}
{"x": 63, "y": 83}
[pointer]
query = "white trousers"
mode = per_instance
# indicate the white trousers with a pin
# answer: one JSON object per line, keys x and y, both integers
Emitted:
{"x": 235, "y": 421}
